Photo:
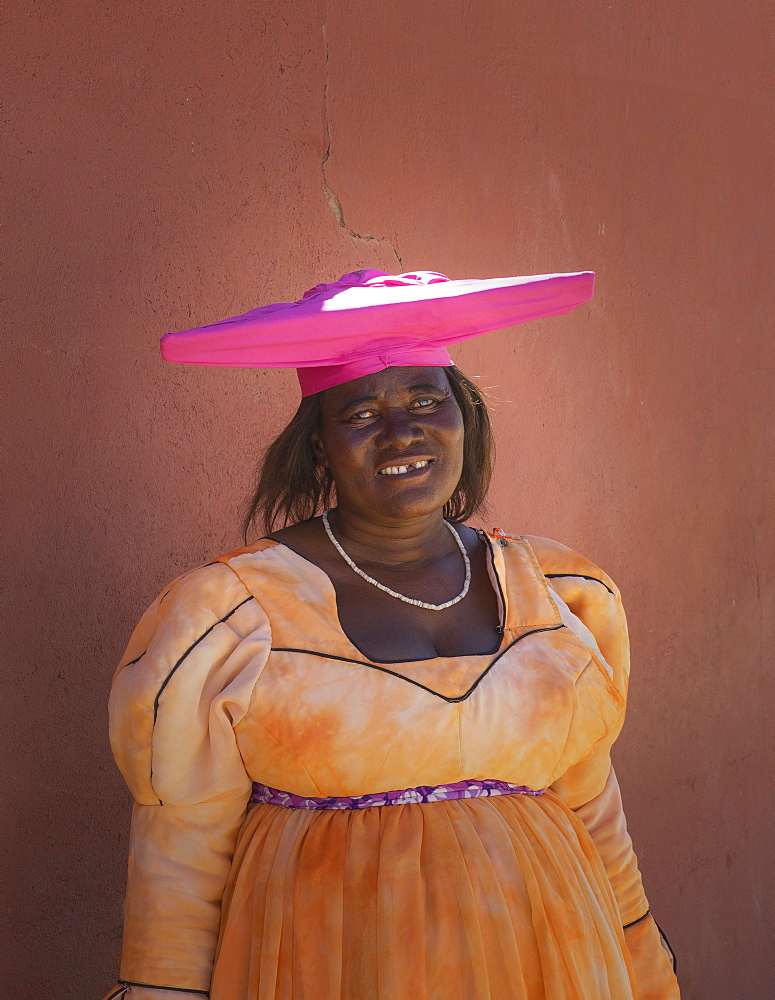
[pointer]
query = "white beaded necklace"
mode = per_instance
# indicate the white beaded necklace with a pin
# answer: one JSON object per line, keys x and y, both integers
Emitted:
{"x": 393, "y": 593}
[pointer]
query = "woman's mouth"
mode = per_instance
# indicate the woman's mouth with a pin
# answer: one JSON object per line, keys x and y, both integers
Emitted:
{"x": 401, "y": 470}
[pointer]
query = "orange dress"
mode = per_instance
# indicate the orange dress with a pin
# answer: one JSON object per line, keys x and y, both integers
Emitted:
{"x": 240, "y": 672}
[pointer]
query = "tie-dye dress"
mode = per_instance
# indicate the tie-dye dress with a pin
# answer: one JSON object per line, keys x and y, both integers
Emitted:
{"x": 268, "y": 860}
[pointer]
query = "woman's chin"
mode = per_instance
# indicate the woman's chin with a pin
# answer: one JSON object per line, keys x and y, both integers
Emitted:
{"x": 410, "y": 504}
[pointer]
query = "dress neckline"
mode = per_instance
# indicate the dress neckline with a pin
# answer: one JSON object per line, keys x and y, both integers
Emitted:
{"x": 497, "y": 584}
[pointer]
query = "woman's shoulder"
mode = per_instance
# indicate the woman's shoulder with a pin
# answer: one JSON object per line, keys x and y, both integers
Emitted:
{"x": 587, "y": 599}
{"x": 193, "y": 604}
{"x": 217, "y": 583}
{"x": 559, "y": 562}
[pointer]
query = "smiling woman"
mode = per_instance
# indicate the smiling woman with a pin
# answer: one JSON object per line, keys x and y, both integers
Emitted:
{"x": 393, "y": 440}
{"x": 370, "y": 751}
{"x": 293, "y": 485}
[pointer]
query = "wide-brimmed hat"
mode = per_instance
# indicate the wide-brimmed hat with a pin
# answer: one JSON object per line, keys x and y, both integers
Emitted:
{"x": 368, "y": 321}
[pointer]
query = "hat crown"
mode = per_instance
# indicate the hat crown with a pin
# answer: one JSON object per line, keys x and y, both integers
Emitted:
{"x": 374, "y": 279}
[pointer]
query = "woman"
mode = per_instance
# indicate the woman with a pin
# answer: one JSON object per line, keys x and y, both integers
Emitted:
{"x": 371, "y": 751}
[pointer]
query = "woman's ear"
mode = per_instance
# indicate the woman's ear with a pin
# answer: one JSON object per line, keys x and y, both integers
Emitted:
{"x": 320, "y": 452}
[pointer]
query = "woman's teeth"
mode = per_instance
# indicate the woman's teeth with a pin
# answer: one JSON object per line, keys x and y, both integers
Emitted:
{"x": 399, "y": 470}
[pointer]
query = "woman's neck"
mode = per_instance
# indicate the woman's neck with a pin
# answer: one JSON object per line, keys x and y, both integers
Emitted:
{"x": 391, "y": 543}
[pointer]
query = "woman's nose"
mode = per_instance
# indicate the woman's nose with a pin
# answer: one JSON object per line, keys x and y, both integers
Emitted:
{"x": 399, "y": 430}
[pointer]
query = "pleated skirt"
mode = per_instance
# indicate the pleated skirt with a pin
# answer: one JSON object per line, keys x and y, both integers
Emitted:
{"x": 497, "y": 898}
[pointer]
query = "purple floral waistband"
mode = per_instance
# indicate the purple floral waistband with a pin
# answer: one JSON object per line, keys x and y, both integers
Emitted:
{"x": 473, "y": 789}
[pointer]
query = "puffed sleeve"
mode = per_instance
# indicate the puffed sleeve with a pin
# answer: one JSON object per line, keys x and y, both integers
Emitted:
{"x": 185, "y": 681}
{"x": 591, "y": 605}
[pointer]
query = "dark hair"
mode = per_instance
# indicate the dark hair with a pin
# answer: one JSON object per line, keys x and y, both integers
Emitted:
{"x": 293, "y": 487}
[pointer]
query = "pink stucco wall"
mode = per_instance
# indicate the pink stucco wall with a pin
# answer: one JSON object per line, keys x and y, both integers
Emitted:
{"x": 169, "y": 164}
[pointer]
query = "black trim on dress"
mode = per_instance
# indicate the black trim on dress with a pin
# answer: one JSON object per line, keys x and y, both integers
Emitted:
{"x": 662, "y": 934}
{"x": 579, "y": 576}
{"x": 174, "y": 989}
{"x": 162, "y": 598}
{"x": 409, "y": 680}
{"x": 673, "y": 955}
{"x": 632, "y": 923}
{"x": 196, "y": 642}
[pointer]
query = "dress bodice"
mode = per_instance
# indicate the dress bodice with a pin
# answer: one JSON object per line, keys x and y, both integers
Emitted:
{"x": 324, "y": 719}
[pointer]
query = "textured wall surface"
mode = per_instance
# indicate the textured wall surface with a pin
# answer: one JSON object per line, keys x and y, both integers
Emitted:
{"x": 169, "y": 164}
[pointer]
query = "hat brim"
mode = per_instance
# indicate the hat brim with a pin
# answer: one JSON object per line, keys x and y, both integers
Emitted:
{"x": 361, "y": 321}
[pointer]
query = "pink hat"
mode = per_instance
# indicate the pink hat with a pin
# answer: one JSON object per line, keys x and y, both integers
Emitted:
{"x": 368, "y": 321}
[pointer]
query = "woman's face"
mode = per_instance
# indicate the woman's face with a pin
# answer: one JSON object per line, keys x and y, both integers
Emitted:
{"x": 393, "y": 442}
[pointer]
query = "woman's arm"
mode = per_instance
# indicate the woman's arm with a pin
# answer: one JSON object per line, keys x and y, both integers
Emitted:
{"x": 133, "y": 991}
{"x": 185, "y": 682}
{"x": 652, "y": 958}
{"x": 590, "y": 788}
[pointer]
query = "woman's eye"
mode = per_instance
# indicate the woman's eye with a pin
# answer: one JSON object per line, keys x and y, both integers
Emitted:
{"x": 422, "y": 403}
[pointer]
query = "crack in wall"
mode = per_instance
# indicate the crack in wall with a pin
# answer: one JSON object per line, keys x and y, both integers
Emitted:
{"x": 334, "y": 202}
